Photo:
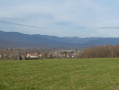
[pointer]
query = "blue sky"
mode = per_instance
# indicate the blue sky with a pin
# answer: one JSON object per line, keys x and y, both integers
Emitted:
{"x": 80, "y": 18}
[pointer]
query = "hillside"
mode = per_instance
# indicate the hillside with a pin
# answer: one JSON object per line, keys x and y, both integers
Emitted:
{"x": 19, "y": 40}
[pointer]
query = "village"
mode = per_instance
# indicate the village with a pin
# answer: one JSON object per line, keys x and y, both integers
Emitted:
{"x": 31, "y": 54}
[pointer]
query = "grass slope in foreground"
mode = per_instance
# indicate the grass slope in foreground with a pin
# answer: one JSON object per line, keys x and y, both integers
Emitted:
{"x": 82, "y": 74}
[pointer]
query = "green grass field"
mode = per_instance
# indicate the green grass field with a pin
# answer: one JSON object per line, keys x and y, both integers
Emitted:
{"x": 64, "y": 74}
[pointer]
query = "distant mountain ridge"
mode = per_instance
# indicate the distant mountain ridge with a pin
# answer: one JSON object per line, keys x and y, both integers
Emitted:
{"x": 20, "y": 40}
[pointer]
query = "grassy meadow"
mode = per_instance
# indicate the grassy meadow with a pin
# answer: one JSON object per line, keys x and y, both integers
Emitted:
{"x": 62, "y": 74}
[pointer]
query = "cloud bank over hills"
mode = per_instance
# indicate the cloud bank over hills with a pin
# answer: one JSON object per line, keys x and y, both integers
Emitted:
{"x": 82, "y": 18}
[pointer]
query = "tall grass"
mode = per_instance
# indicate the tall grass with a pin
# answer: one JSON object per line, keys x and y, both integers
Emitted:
{"x": 65, "y": 74}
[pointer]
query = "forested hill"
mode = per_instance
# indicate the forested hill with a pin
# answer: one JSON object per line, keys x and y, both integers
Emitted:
{"x": 19, "y": 40}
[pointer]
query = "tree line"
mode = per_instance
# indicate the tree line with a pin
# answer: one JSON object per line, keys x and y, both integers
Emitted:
{"x": 108, "y": 51}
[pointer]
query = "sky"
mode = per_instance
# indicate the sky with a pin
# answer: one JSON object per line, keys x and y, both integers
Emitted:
{"x": 63, "y": 18}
